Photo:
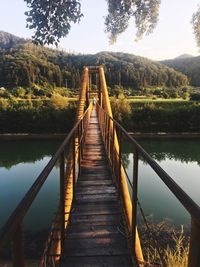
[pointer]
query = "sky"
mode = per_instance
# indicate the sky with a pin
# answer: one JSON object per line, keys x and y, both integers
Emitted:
{"x": 172, "y": 37}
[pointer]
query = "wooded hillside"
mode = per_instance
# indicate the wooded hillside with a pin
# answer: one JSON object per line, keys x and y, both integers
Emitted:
{"x": 25, "y": 64}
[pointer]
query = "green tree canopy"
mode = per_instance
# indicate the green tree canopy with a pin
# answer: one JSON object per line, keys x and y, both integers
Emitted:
{"x": 52, "y": 19}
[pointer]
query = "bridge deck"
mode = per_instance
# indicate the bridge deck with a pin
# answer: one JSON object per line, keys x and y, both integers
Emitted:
{"x": 96, "y": 234}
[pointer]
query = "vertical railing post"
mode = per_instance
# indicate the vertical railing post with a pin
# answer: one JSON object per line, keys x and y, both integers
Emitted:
{"x": 106, "y": 130}
{"x": 62, "y": 199}
{"x": 17, "y": 247}
{"x": 119, "y": 161}
{"x": 194, "y": 252}
{"x": 113, "y": 143}
{"x": 79, "y": 149}
{"x": 82, "y": 136}
{"x": 134, "y": 199}
{"x": 108, "y": 138}
{"x": 74, "y": 163}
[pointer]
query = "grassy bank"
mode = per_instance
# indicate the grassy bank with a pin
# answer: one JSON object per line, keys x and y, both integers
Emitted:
{"x": 37, "y": 117}
{"x": 57, "y": 115}
{"x": 158, "y": 116}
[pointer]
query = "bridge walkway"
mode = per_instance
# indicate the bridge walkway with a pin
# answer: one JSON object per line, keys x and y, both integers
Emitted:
{"x": 96, "y": 233}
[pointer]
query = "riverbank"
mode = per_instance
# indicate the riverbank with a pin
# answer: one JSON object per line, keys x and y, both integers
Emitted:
{"x": 140, "y": 117}
{"x": 61, "y": 136}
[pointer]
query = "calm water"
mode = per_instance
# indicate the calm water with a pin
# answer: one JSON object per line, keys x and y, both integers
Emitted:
{"x": 22, "y": 161}
{"x": 181, "y": 160}
{"x": 20, "y": 164}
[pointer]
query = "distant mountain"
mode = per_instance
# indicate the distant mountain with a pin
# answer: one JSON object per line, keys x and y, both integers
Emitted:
{"x": 27, "y": 64}
{"x": 189, "y": 66}
{"x": 183, "y": 56}
{"x": 8, "y": 40}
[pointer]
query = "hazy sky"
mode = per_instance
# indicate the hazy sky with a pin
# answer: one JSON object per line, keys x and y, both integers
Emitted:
{"x": 172, "y": 37}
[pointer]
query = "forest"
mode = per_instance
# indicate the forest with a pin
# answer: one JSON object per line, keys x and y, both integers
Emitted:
{"x": 190, "y": 66}
{"x": 25, "y": 64}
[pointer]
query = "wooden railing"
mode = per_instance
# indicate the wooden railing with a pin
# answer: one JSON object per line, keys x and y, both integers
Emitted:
{"x": 69, "y": 155}
{"x": 111, "y": 131}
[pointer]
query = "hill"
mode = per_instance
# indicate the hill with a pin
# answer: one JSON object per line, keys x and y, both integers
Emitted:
{"x": 8, "y": 40}
{"x": 189, "y": 66}
{"x": 184, "y": 56}
{"x": 24, "y": 64}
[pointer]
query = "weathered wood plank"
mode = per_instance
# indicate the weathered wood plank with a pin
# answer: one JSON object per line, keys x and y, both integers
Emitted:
{"x": 98, "y": 261}
{"x": 95, "y": 235}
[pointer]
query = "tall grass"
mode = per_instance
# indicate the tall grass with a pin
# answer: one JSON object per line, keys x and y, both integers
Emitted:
{"x": 173, "y": 246}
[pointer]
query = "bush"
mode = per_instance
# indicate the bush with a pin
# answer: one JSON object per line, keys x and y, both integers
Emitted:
{"x": 4, "y": 103}
{"x": 195, "y": 96}
{"x": 19, "y": 92}
{"x": 58, "y": 102}
{"x": 121, "y": 108}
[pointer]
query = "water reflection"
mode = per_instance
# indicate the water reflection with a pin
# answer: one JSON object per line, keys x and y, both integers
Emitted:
{"x": 181, "y": 160}
{"x": 22, "y": 161}
{"x": 15, "y": 152}
{"x": 20, "y": 164}
{"x": 184, "y": 150}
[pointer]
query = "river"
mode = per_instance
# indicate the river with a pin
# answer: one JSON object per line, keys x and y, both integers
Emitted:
{"x": 22, "y": 161}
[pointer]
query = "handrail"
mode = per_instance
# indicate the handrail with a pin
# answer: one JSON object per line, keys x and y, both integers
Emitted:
{"x": 15, "y": 219}
{"x": 179, "y": 193}
{"x": 114, "y": 154}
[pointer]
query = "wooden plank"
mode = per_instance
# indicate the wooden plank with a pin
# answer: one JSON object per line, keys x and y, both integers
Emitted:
{"x": 95, "y": 235}
{"x": 96, "y": 198}
{"x": 94, "y": 183}
{"x": 96, "y": 191}
{"x": 98, "y": 261}
{"x": 94, "y": 218}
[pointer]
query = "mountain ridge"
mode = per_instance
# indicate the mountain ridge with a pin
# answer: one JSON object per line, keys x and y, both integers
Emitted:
{"x": 24, "y": 64}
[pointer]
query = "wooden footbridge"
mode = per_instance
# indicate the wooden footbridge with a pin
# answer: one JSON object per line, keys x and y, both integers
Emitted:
{"x": 96, "y": 221}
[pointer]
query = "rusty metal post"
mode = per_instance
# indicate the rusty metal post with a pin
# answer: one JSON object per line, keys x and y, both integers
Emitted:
{"x": 108, "y": 138}
{"x": 104, "y": 126}
{"x": 134, "y": 199}
{"x": 113, "y": 142}
{"x": 106, "y": 130}
{"x": 62, "y": 199}
{"x": 79, "y": 149}
{"x": 74, "y": 163}
{"x": 120, "y": 161}
{"x": 17, "y": 247}
{"x": 194, "y": 252}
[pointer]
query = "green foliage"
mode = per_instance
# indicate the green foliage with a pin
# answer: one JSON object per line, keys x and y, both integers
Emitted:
{"x": 189, "y": 66}
{"x": 36, "y": 117}
{"x": 159, "y": 116}
{"x": 195, "y": 96}
{"x": 58, "y": 102}
{"x": 19, "y": 92}
{"x": 3, "y": 103}
{"x": 196, "y": 25}
{"x": 120, "y": 12}
{"x": 51, "y": 19}
{"x": 117, "y": 90}
{"x": 121, "y": 108}
{"x": 186, "y": 96}
{"x": 40, "y": 68}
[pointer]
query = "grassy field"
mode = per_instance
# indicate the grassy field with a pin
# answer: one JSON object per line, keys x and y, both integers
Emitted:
{"x": 162, "y": 100}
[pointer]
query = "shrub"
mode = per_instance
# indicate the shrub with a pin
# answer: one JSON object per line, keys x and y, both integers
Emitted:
{"x": 195, "y": 96}
{"x": 19, "y": 92}
{"x": 3, "y": 103}
{"x": 121, "y": 108}
{"x": 58, "y": 102}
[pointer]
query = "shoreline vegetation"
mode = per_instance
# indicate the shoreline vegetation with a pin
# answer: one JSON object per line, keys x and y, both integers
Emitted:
{"x": 61, "y": 136}
{"x": 138, "y": 116}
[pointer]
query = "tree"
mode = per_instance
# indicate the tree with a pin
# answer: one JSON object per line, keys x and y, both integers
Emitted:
{"x": 52, "y": 19}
